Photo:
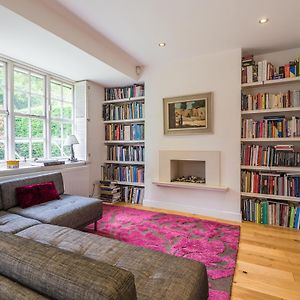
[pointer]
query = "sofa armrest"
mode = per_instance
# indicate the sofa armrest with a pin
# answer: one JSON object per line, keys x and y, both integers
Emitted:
{"x": 60, "y": 274}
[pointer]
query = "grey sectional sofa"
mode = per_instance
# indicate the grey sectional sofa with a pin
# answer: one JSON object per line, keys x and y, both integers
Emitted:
{"x": 43, "y": 256}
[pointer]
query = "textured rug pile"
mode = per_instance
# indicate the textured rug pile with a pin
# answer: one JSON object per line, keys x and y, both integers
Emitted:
{"x": 212, "y": 243}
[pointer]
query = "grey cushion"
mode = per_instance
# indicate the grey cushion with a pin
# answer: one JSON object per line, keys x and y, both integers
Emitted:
{"x": 8, "y": 186}
{"x": 70, "y": 211}
{"x": 157, "y": 275}
{"x": 14, "y": 223}
{"x": 60, "y": 274}
{"x": 11, "y": 290}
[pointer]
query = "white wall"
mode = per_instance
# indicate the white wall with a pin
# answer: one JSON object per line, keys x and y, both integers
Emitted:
{"x": 218, "y": 73}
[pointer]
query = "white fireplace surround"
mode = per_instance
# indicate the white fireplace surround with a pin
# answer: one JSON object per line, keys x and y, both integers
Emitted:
{"x": 209, "y": 159}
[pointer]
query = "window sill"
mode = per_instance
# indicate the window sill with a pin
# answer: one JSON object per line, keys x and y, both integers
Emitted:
{"x": 28, "y": 168}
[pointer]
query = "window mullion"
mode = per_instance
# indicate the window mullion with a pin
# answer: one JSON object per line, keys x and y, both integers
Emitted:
{"x": 48, "y": 117}
{"x": 11, "y": 117}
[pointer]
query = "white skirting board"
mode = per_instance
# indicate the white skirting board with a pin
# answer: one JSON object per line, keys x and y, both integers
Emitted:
{"x": 226, "y": 215}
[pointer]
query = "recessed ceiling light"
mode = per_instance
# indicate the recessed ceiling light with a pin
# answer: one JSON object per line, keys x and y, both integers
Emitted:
{"x": 263, "y": 21}
{"x": 162, "y": 44}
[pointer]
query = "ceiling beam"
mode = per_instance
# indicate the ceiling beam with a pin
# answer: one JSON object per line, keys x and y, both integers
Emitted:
{"x": 56, "y": 19}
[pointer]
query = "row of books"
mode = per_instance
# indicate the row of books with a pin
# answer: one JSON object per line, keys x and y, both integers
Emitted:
{"x": 133, "y": 110}
{"x": 264, "y": 70}
{"x": 271, "y": 127}
{"x": 284, "y": 184}
{"x": 124, "y": 173}
{"x": 270, "y": 156}
{"x": 126, "y": 153}
{"x": 109, "y": 191}
{"x": 270, "y": 212}
{"x": 131, "y": 194}
{"x": 270, "y": 101}
{"x": 136, "y": 90}
{"x": 121, "y": 132}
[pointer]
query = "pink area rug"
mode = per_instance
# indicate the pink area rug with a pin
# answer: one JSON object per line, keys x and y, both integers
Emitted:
{"x": 212, "y": 243}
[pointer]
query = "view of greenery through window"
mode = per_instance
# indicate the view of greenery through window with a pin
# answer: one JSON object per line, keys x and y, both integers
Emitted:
{"x": 30, "y": 122}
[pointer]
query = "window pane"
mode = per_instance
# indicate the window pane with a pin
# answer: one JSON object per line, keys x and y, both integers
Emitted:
{"x": 2, "y": 126}
{"x": 56, "y": 129}
{"x": 56, "y": 109}
{"x": 67, "y": 151}
{"x": 55, "y": 150}
{"x": 2, "y": 151}
{"x": 37, "y": 105}
{"x": 37, "y": 84}
{"x": 21, "y": 127}
{"x": 67, "y": 129}
{"x": 22, "y": 150}
{"x": 2, "y": 74}
{"x": 37, "y": 128}
{"x": 67, "y": 110}
{"x": 2, "y": 97}
{"x": 21, "y": 102}
{"x": 56, "y": 91}
{"x": 67, "y": 93}
{"x": 21, "y": 80}
{"x": 37, "y": 150}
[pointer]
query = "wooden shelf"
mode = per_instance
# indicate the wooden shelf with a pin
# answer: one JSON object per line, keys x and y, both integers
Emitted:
{"x": 124, "y": 142}
{"x": 272, "y": 82}
{"x": 142, "y": 98}
{"x": 275, "y": 197}
{"x": 187, "y": 185}
{"x": 139, "y": 184}
{"x": 287, "y": 139}
{"x": 122, "y": 162}
{"x": 271, "y": 111}
{"x": 124, "y": 121}
{"x": 275, "y": 169}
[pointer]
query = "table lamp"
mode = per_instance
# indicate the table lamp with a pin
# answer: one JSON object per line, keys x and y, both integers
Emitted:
{"x": 70, "y": 141}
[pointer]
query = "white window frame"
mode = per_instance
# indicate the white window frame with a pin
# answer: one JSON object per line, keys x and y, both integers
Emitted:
{"x": 10, "y": 113}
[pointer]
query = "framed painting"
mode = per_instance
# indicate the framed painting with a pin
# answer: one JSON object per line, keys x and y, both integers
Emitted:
{"x": 188, "y": 114}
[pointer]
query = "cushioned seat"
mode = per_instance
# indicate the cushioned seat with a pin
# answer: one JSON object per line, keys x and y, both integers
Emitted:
{"x": 70, "y": 211}
{"x": 13, "y": 223}
{"x": 157, "y": 275}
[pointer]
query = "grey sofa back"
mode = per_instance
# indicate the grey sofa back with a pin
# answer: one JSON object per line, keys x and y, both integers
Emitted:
{"x": 62, "y": 275}
{"x": 8, "y": 187}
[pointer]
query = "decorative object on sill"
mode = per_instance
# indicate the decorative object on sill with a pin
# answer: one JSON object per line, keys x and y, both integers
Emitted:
{"x": 70, "y": 141}
{"x": 188, "y": 114}
{"x": 12, "y": 164}
{"x": 189, "y": 179}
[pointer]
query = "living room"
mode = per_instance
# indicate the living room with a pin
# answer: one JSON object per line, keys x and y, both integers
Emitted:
{"x": 150, "y": 148}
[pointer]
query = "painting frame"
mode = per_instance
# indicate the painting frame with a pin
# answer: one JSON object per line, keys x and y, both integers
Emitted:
{"x": 189, "y": 114}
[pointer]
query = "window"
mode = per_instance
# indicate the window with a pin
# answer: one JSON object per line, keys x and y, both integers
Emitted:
{"x": 36, "y": 113}
{"x": 61, "y": 117}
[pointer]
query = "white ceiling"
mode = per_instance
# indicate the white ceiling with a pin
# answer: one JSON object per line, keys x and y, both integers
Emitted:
{"x": 191, "y": 27}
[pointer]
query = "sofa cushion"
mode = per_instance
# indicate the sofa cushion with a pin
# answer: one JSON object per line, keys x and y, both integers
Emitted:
{"x": 30, "y": 195}
{"x": 14, "y": 223}
{"x": 157, "y": 275}
{"x": 8, "y": 186}
{"x": 60, "y": 274}
{"x": 70, "y": 211}
{"x": 11, "y": 290}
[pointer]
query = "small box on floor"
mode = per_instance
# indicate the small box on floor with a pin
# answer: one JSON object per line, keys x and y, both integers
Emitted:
{"x": 109, "y": 191}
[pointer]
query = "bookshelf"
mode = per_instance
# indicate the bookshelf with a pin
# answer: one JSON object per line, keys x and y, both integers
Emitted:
{"x": 270, "y": 144}
{"x": 124, "y": 122}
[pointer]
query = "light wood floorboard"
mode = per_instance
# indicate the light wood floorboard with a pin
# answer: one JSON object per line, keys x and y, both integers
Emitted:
{"x": 268, "y": 263}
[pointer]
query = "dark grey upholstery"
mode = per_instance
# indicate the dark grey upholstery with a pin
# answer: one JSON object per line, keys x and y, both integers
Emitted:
{"x": 62, "y": 275}
{"x": 8, "y": 186}
{"x": 70, "y": 211}
{"x": 14, "y": 223}
{"x": 157, "y": 275}
{"x": 11, "y": 290}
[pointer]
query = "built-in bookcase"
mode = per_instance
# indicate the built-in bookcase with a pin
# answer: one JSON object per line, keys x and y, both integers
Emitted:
{"x": 270, "y": 148}
{"x": 124, "y": 122}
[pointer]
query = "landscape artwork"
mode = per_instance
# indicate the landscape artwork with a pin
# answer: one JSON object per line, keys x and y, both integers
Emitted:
{"x": 187, "y": 114}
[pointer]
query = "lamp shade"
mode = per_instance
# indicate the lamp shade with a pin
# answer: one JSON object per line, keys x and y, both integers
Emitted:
{"x": 71, "y": 140}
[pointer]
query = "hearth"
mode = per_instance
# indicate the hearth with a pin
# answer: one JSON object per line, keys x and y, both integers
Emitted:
{"x": 189, "y": 179}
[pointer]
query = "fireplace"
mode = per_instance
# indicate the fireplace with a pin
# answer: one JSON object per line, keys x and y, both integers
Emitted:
{"x": 189, "y": 171}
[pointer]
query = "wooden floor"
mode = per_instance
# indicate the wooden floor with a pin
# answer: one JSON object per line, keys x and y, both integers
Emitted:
{"x": 268, "y": 264}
